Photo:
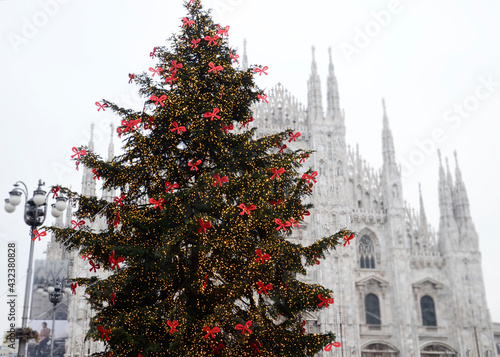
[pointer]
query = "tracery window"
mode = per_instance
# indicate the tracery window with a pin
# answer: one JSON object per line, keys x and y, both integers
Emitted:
{"x": 437, "y": 351}
{"x": 372, "y": 310}
{"x": 428, "y": 311}
{"x": 366, "y": 253}
{"x": 379, "y": 350}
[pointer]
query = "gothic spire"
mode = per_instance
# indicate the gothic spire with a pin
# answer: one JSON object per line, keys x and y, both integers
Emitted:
{"x": 388, "y": 151}
{"x": 423, "y": 228}
{"x": 333, "y": 113}
{"x": 448, "y": 230}
{"x": 244, "y": 60}
{"x": 88, "y": 182}
{"x": 314, "y": 99}
{"x": 462, "y": 201}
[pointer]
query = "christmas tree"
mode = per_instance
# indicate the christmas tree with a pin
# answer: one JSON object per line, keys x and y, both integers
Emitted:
{"x": 195, "y": 244}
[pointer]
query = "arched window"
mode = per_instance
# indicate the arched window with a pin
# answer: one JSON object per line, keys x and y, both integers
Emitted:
{"x": 428, "y": 311}
{"x": 366, "y": 253}
{"x": 372, "y": 310}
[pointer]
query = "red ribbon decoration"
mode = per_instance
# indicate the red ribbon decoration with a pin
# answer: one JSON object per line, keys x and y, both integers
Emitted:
{"x": 262, "y": 257}
{"x": 153, "y": 54}
{"x": 194, "y": 166}
{"x": 303, "y": 158}
{"x": 157, "y": 203}
{"x": 156, "y": 71}
{"x": 171, "y": 187}
{"x": 325, "y": 301}
{"x": 160, "y": 100}
{"x": 36, "y": 235}
{"x": 348, "y": 239}
{"x": 55, "y": 191}
{"x": 306, "y": 213}
{"x": 86, "y": 256}
{"x": 310, "y": 177}
{"x": 77, "y": 224}
{"x": 275, "y": 203}
{"x": 294, "y": 222}
{"x": 113, "y": 297}
{"x": 303, "y": 327}
{"x": 217, "y": 349}
{"x": 282, "y": 148}
{"x": 260, "y": 71}
{"x": 244, "y": 328}
{"x": 150, "y": 123}
{"x": 116, "y": 222}
{"x": 277, "y": 173}
{"x": 179, "y": 129}
{"x": 246, "y": 123}
{"x": 212, "y": 115}
{"x": 294, "y": 136}
{"x": 114, "y": 263}
{"x": 246, "y": 209}
{"x": 187, "y": 22}
{"x": 96, "y": 175}
{"x": 129, "y": 126}
{"x": 205, "y": 282}
{"x": 194, "y": 43}
{"x": 255, "y": 347}
{"x": 328, "y": 347}
{"x": 119, "y": 200}
{"x": 101, "y": 106}
{"x": 131, "y": 76}
{"x": 73, "y": 288}
{"x": 104, "y": 332}
{"x": 263, "y": 98}
{"x": 214, "y": 68}
{"x": 170, "y": 79}
{"x": 219, "y": 180}
{"x": 234, "y": 57}
{"x": 223, "y": 30}
{"x": 227, "y": 127}
{"x": 264, "y": 288}
{"x": 175, "y": 67}
{"x": 282, "y": 225}
{"x": 94, "y": 266}
{"x": 211, "y": 40}
{"x": 203, "y": 226}
{"x": 173, "y": 325}
{"x": 211, "y": 331}
{"x": 78, "y": 153}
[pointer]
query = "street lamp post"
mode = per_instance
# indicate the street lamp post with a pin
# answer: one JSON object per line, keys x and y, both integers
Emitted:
{"x": 35, "y": 211}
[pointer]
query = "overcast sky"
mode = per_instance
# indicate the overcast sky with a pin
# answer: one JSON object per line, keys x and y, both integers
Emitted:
{"x": 436, "y": 63}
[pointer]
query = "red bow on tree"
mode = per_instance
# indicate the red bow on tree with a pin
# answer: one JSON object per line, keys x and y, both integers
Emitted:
{"x": 114, "y": 263}
{"x": 94, "y": 266}
{"x": 277, "y": 172}
{"x": 348, "y": 239}
{"x": 77, "y": 224}
{"x": 160, "y": 100}
{"x": 131, "y": 77}
{"x": 303, "y": 327}
{"x": 310, "y": 177}
{"x": 211, "y": 40}
{"x": 260, "y": 71}
{"x": 171, "y": 187}
{"x": 255, "y": 347}
{"x": 295, "y": 223}
{"x": 275, "y": 203}
{"x": 194, "y": 43}
{"x": 116, "y": 222}
{"x": 263, "y": 98}
{"x": 306, "y": 213}
{"x": 157, "y": 203}
{"x": 264, "y": 288}
{"x": 170, "y": 79}
{"x": 150, "y": 123}
{"x": 179, "y": 129}
{"x": 303, "y": 158}
{"x": 175, "y": 67}
{"x": 73, "y": 288}
{"x": 153, "y": 54}
{"x": 294, "y": 137}
{"x": 214, "y": 68}
{"x": 96, "y": 175}
{"x": 212, "y": 115}
{"x": 219, "y": 180}
{"x": 246, "y": 123}
{"x": 217, "y": 349}
{"x": 325, "y": 301}
{"x": 156, "y": 71}
{"x": 129, "y": 125}
{"x": 227, "y": 127}
{"x": 282, "y": 225}
{"x": 282, "y": 148}
{"x": 86, "y": 256}
{"x": 113, "y": 297}
{"x": 55, "y": 191}
{"x": 328, "y": 347}
{"x": 203, "y": 226}
{"x": 173, "y": 325}
{"x": 78, "y": 153}
{"x": 187, "y": 22}
{"x": 104, "y": 332}
{"x": 119, "y": 200}
{"x": 223, "y": 30}
{"x": 262, "y": 257}
{"x": 194, "y": 166}
{"x": 234, "y": 57}
{"x": 101, "y": 106}
{"x": 244, "y": 328}
{"x": 37, "y": 234}
{"x": 210, "y": 331}
{"x": 246, "y": 209}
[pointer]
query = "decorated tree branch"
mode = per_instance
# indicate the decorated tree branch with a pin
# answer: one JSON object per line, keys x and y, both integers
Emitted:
{"x": 196, "y": 244}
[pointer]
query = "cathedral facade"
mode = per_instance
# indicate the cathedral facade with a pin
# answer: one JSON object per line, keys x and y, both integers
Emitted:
{"x": 400, "y": 288}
